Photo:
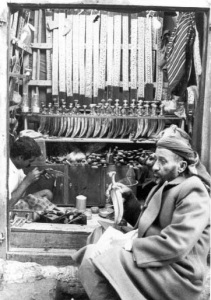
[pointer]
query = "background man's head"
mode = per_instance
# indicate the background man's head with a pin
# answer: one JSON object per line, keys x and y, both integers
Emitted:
{"x": 24, "y": 151}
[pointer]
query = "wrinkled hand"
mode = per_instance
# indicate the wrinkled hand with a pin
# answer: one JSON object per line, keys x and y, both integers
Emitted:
{"x": 33, "y": 175}
{"x": 125, "y": 190}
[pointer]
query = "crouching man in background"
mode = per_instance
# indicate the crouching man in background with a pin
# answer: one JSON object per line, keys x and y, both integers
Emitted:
{"x": 166, "y": 257}
{"x": 22, "y": 153}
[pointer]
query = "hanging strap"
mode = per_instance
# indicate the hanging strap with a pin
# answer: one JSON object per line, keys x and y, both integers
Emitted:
{"x": 55, "y": 63}
{"x": 102, "y": 67}
{"x": 89, "y": 22}
{"x": 117, "y": 49}
{"x": 62, "y": 46}
{"x": 133, "y": 56}
{"x": 75, "y": 53}
{"x": 159, "y": 71}
{"x": 96, "y": 27}
{"x": 141, "y": 60}
{"x": 68, "y": 57}
{"x": 148, "y": 50}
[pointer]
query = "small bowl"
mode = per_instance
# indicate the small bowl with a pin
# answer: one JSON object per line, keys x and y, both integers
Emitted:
{"x": 105, "y": 212}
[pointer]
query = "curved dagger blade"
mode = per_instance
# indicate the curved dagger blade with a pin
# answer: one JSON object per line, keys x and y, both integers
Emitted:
{"x": 91, "y": 127}
{"x": 98, "y": 122}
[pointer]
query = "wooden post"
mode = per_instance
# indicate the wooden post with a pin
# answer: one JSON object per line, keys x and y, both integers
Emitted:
{"x": 3, "y": 126}
{"x": 206, "y": 123}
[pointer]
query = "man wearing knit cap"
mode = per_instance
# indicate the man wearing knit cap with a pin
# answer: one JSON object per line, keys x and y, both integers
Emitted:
{"x": 166, "y": 256}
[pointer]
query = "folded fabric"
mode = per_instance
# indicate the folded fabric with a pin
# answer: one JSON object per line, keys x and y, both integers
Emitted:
{"x": 31, "y": 133}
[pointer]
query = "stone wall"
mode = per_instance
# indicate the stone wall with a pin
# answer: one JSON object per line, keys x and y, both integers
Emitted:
{"x": 31, "y": 281}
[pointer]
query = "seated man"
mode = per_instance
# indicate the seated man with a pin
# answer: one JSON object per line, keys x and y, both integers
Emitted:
{"x": 167, "y": 257}
{"x": 22, "y": 153}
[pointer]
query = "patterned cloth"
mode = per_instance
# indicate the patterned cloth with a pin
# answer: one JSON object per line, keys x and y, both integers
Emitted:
{"x": 34, "y": 203}
{"x": 178, "y": 47}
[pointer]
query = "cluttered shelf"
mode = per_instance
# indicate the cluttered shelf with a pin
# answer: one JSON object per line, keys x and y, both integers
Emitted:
{"x": 100, "y": 128}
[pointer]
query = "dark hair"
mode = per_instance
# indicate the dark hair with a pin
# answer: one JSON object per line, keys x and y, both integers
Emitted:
{"x": 26, "y": 147}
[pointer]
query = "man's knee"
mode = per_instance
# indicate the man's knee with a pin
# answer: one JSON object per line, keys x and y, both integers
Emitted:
{"x": 44, "y": 193}
{"x": 48, "y": 194}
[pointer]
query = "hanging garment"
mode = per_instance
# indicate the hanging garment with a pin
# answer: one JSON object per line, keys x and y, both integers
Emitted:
{"x": 178, "y": 49}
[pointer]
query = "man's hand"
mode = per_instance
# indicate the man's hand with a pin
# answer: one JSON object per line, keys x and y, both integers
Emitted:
{"x": 33, "y": 176}
{"x": 125, "y": 191}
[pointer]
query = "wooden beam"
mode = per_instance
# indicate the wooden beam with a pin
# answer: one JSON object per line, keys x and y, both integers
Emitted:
{"x": 3, "y": 128}
{"x": 199, "y": 110}
{"x": 206, "y": 122}
{"x": 42, "y": 46}
{"x": 40, "y": 82}
{"x": 12, "y": 74}
{"x": 152, "y": 4}
{"x": 42, "y": 257}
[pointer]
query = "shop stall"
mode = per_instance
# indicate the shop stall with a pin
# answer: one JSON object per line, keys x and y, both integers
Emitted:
{"x": 95, "y": 83}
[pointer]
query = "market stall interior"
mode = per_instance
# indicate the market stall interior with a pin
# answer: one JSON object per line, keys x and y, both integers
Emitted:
{"x": 95, "y": 88}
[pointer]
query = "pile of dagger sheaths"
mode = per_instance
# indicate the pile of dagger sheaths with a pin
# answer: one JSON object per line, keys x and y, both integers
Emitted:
{"x": 137, "y": 121}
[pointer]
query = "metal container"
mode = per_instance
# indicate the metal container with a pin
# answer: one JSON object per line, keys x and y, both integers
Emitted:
{"x": 81, "y": 203}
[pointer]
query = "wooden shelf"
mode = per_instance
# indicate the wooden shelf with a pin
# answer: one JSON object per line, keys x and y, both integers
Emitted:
{"x": 165, "y": 117}
{"x": 99, "y": 140}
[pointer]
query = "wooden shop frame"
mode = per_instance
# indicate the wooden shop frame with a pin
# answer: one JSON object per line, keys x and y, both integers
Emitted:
{"x": 28, "y": 251}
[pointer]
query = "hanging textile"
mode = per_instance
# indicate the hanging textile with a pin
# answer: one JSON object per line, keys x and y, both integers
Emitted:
{"x": 177, "y": 48}
{"x": 197, "y": 57}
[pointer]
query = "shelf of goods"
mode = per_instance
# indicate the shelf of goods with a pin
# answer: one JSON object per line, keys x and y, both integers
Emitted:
{"x": 109, "y": 61}
{"x": 105, "y": 128}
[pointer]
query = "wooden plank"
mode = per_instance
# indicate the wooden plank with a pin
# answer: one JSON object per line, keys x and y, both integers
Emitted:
{"x": 62, "y": 52}
{"x": 96, "y": 37}
{"x": 89, "y": 53}
{"x": 203, "y": 4}
{"x": 141, "y": 56}
{"x": 13, "y": 30}
{"x": 82, "y": 22}
{"x": 50, "y": 240}
{"x": 99, "y": 140}
{"x": 42, "y": 257}
{"x": 11, "y": 74}
{"x": 4, "y": 153}
{"x": 206, "y": 127}
{"x": 26, "y": 81}
{"x": 45, "y": 46}
{"x": 69, "y": 61}
{"x": 49, "y": 82}
{"x": 40, "y": 82}
{"x": 199, "y": 110}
